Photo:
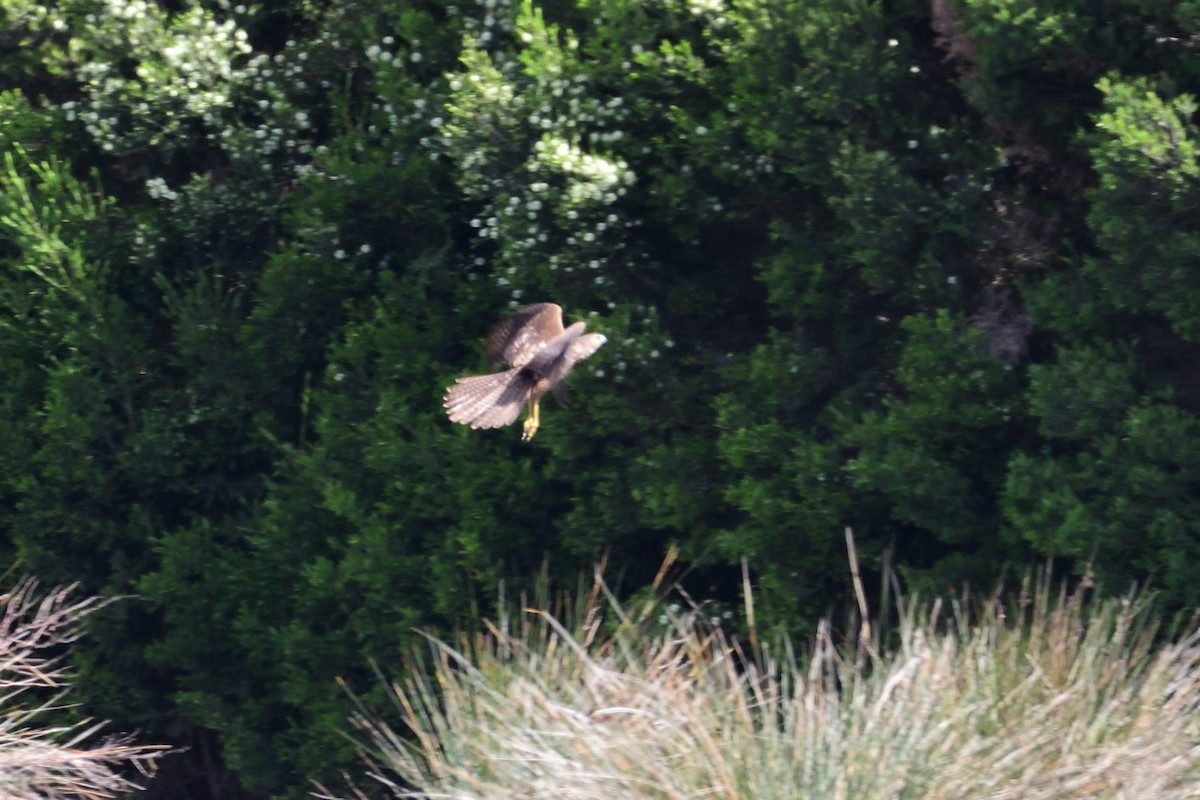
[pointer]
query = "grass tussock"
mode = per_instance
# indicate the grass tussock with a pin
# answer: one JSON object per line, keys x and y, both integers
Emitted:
{"x": 1049, "y": 696}
{"x": 41, "y": 759}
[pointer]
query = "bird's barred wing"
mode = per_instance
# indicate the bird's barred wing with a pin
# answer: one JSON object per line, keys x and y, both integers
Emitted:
{"x": 488, "y": 401}
{"x": 516, "y": 339}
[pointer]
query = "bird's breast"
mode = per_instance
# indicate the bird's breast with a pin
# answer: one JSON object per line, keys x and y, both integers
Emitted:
{"x": 538, "y": 383}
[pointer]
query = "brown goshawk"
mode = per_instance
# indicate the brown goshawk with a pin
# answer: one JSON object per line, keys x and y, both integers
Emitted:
{"x": 540, "y": 353}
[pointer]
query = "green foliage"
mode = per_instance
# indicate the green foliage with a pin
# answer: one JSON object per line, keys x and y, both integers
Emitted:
{"x": 929, "y": 450}
{"x": 1133, "y": 478}
{"x": 1110, "y": 482}
{"x": 927, "y": 270}
{"x": 1146, "y": 154}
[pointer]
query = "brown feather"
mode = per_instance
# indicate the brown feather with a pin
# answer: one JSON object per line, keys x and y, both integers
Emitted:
{"x": 515, "y": 340}
{"x": 488, "y": 401}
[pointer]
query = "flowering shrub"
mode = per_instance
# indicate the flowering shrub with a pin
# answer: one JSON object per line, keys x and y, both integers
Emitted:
{"x": 926, "y": 268}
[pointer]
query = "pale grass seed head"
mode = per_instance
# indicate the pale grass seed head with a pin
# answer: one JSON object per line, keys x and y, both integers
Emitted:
{"x": 41, "y": 761}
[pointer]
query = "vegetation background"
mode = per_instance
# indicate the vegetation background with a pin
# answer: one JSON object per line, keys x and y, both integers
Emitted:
{"x": 928, "y": 269}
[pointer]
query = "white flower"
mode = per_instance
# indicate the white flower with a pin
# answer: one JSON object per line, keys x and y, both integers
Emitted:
{"x": 699, "y": 7}
{"x": 158, "y": 189}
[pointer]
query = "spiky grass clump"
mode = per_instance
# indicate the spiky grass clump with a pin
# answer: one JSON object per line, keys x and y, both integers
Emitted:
{"x": 40, "y": 760}
{"x": 1051, "y": 698}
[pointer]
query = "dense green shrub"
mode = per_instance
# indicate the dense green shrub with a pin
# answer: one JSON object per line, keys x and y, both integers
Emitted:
{"x": 926, "y": 269}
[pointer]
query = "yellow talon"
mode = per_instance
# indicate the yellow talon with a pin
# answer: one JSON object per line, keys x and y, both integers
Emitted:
{"x": 531, "y": 422}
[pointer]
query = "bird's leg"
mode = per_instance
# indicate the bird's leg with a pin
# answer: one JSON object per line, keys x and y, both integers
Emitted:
{"x": 531, "y": 422}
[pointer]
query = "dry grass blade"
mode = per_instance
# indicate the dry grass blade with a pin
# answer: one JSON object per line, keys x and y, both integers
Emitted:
{"x": 1055, "y": 697}
{"x": 37, "y": 761}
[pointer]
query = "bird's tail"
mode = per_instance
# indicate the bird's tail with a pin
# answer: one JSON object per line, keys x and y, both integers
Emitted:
{"x": 487, "y": 401}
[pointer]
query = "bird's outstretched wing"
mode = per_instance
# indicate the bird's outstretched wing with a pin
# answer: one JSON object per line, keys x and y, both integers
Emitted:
{"x": 517, "y": 338}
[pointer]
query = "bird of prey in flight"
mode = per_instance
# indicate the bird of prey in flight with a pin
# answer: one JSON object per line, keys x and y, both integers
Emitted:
{"x": 540, "y": 353}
